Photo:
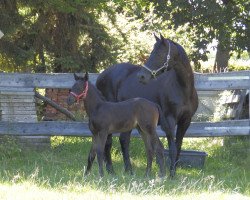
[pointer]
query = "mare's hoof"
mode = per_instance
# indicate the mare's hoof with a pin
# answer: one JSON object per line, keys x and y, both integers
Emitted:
{"x": 172, "y": 174}
{"x": 129, "y": 171}
{"x": 86, "y": 173}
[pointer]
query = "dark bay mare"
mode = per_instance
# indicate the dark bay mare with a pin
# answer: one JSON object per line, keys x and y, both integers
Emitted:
{"x": 106, "y": 118}
{"x": 168, "y": 80}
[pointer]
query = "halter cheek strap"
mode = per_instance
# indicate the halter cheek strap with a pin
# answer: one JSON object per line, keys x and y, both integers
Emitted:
{"x": 165, "y": 65}
{"x": 81, "y": 95}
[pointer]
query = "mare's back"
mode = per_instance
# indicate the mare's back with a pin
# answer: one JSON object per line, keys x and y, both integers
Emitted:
{"x": 109, "y": 81}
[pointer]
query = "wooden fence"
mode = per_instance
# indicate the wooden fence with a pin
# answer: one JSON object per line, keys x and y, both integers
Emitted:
{"x": 203, "y": 82}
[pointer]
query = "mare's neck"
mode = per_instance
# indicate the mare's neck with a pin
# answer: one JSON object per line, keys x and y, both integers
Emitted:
{"x": 92, "y": 100}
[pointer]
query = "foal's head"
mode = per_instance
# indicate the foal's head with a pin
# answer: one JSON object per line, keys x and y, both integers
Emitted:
{"x": 79, "y": 89}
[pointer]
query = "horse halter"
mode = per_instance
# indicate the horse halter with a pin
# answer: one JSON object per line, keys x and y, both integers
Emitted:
{"x": 83, "y": 94}
{"x": 165, "y": 65}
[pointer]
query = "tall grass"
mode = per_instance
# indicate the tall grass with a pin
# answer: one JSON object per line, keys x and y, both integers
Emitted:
{"x": 58, "y": 173}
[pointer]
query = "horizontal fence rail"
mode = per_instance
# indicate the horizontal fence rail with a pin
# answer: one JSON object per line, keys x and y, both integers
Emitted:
{"x": 9, "y": 82}
{"x": 216, "y": 81}
{"x": 65, "y": 128}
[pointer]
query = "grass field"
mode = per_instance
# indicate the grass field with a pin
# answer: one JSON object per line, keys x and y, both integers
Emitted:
{"x": 58, "y": 173}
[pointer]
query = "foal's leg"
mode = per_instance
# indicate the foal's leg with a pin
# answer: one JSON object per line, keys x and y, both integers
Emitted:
{"x": 101, "y": 141}
{"x": 158, "y": 149}
{"x": 125, "y": 141}
{"x": 149, "y": 151}
{"x": 92, "y": 154}
{"x": 107, "y": 155}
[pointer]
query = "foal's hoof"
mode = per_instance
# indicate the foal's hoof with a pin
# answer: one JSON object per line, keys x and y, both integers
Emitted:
{"x": 111, "y": 171}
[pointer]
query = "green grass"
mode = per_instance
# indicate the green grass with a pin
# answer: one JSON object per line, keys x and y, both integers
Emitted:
{"x": 58, "y": 173}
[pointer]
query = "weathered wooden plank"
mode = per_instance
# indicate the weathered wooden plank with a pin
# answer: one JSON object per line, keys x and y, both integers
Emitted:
{"x": 15, "y": 93}
{"x": 60, "y": 80}
{"x": 216, "y": 81}
{"x": 28, "y": 107}
{"x": 19, "y": 118}
{"x": 18, "y": 112}
{"x": 60, "y": 128}
{"x": 16, "y": 89}
{"x": 21, "y": 105}
{"x": 8, "y": 96}
{"x": 223, "y": 81}
{"x": 14, "y": 100}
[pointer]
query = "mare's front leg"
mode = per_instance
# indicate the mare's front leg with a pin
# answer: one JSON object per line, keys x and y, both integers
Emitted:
{"x": 107, "y": 155}
{"x": 169, "y": 129}
{"x": 182, "y": 127}
{"x": 125, "y": 141}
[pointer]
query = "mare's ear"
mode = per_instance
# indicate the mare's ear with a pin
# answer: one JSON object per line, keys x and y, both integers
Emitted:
{"x": 76, "y": 77}
{"x": 86, "y": 77}
{"x": 162, "y": 37}
{"x": 156, "y": 38}
{"x": 163, "y": 40}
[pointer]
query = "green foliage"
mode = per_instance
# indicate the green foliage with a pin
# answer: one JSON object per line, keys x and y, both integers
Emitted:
{"x": 71, "y": 36}
{"x": 226, "y": 21}
{"x": 54, "y": 35}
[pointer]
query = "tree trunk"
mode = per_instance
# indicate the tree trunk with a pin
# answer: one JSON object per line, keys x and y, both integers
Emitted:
{"x": 221, "y": 58}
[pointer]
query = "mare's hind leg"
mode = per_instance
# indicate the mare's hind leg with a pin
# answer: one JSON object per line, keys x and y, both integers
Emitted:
{"x": 125, "y": 141}
{"x": 107, "y": 155}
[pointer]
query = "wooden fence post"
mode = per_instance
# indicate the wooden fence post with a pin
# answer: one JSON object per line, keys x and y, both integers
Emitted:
{"x": 18, "y": 105}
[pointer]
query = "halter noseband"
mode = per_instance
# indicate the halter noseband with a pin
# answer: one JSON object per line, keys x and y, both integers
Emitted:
{"x": 165, "y": 65}
{"x": 81, "y": 95}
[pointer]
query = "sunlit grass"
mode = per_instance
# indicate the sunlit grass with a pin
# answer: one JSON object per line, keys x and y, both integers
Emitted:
{"x": 58, "y": 174}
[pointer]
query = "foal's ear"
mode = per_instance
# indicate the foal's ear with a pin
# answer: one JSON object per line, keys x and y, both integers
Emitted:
{"x": 76, "y": 77}
{"x": 86, "y": 77}
{"x": 156, "y": 38}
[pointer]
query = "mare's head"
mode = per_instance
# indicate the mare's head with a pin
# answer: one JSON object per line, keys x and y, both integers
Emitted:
{"x": 161, "y": 59}
{"x": 79, "y": 89}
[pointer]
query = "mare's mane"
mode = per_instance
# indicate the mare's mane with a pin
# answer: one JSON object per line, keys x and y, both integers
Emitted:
{"x": 98, "y": 92}
{"x": 182, "y": 54}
